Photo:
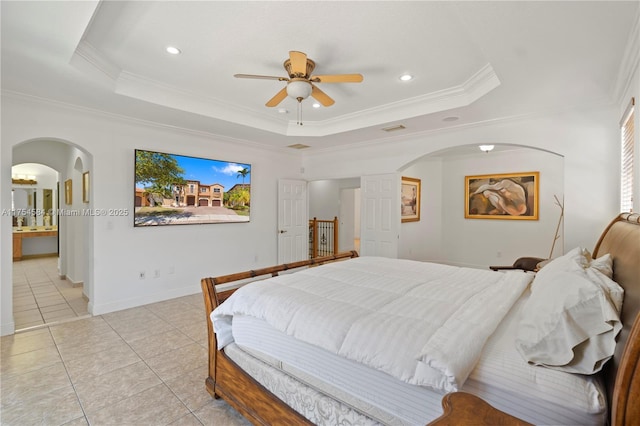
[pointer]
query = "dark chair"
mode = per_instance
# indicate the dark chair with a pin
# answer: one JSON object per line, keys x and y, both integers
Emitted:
{"x": 524, "y": 263}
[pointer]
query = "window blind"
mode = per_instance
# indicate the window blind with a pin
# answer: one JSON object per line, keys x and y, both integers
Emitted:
{"x": 626, "y": 169}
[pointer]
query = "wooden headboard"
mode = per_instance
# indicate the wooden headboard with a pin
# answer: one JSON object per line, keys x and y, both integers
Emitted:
{"x": 621, "y": 239}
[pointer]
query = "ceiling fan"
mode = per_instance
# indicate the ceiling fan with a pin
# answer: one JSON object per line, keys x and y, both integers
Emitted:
{"x": 300, "y": 83}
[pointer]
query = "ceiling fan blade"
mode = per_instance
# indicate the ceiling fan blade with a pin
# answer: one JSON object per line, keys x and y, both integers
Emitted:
{"x": 279, "y": 97}
{"x": 298, "y": 62}
{"x": 261, "y": 77}
{"x": 337, "y": 78}
{"x": 321, "y": 97}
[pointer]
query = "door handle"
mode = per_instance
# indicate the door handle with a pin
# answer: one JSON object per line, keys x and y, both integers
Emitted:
{"x": 282, "y": 231}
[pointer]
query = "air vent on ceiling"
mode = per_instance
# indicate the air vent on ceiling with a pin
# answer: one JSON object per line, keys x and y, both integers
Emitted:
{"x": 299, "y": 146}
{"x": 393, "y": 128}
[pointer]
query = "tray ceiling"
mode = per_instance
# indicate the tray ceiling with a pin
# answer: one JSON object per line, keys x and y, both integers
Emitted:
{"x": 471, "y": 61}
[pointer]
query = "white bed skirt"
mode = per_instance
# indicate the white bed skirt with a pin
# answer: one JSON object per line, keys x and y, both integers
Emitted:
{"x": 315, "y": 406}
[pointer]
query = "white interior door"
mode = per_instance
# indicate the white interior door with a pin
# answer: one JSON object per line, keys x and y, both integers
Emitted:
{"x": 293, "y": 221}
{"x": 380, "y": 213}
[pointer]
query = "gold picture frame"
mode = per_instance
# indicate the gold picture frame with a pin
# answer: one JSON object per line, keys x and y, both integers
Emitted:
{"x": 410, "y": 199}
{"x": 68, "y": 192}
{"x": 85, "y": 187}
{"x": 511, "y": 196}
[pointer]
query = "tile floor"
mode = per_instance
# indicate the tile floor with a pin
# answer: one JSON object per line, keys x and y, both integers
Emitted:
{"x": 140, "y": 366}
{"x": 41, "y": 297}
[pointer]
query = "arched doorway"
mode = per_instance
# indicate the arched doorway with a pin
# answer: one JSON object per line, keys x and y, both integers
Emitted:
{"x": 49, "y": 289}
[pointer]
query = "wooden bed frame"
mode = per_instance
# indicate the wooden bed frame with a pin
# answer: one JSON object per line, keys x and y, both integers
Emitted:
{"x": 622, "y": 375}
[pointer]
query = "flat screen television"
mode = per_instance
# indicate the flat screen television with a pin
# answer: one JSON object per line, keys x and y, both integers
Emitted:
{"x": 173, "y": 189}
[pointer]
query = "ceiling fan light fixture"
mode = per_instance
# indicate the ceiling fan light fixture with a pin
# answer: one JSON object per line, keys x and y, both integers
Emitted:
{"x": 299, "y": 89}
{"x": 486, "y": 148}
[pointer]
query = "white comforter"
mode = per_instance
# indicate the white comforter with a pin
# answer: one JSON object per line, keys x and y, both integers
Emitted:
{"x": 423, "y": 323}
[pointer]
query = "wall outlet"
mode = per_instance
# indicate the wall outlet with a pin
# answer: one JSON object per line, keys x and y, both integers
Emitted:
{"x": 142, "y": 275}
{"x": 156, "y": 273}
{"x": 499, "y": 254}
{"x": 171, "y": 270}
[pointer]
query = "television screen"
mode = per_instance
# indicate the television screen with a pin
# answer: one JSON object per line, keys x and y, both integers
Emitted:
{"x": 175, "y": 189}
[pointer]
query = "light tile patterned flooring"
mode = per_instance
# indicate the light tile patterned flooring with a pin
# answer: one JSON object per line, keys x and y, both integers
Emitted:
{"x": 40, "y": 296}
{"x": 140, "y": 366}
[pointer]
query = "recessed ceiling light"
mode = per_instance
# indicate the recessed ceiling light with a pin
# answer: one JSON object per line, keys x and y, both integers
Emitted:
{"x": 486, "y": 148}
{"x": 173, "y": 50}
{"x": 452, "y": 118}
{"x": 316, "y": 105}
{"x": 406, "y": 77}
{"x": 283, "y": 111}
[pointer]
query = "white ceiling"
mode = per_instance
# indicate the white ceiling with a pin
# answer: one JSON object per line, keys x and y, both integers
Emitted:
{"x": 476, "y": 61}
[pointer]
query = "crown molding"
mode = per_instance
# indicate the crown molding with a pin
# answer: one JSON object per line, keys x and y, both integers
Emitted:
{"x": 499, "y": 121}
{"x": 140, "y": 122}
{"x": 142, "y": 88}
{"x": 478, "y": 85}
{"x": 88, "y": 59}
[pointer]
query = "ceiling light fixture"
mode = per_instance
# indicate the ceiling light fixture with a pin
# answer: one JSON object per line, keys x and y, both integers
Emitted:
{"x": 299, "y": 89}
{"x": 316, "y": 105}
{"x": 406, "y": 77}
{"x": 173, "y": 50}
{"x": 486, "y": 148}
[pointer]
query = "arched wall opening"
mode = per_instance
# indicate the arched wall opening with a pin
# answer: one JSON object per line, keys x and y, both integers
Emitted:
{"x": 75, "y": 223}
{"x": 443, "y": 234}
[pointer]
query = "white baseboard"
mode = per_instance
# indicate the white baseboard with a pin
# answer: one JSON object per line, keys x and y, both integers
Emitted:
{"x": 118, "y": 305}
{"x": 7, "y": 329}
{"x": 75, "y": 284}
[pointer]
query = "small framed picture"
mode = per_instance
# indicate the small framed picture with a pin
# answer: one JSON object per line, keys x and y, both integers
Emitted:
{"x": 85, "y": 187}
{"x": 68, "y": 192}
{"x": 410, "y": 199}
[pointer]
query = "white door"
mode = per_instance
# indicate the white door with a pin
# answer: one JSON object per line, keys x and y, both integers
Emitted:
{"x": 380, "y": 212}
{"x": 293, "y": 221}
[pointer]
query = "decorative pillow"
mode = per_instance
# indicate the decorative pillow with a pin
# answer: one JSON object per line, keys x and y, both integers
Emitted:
{"x": 572, "y": 318}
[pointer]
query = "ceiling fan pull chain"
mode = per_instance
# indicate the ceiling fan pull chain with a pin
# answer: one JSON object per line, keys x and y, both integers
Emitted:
{"x": 299, "y": 123}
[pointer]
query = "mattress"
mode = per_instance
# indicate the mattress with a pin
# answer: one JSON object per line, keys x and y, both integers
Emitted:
{"x": 365, "y": 308}
{"x": 501, "y": 377}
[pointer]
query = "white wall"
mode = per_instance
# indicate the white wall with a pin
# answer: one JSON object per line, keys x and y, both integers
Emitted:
{"x": 484, "y": 242}
{"x": 422, "y": 240}
{"x": 120, "y": 251}
{"x": 324, "y": 196}
{"x": 588, "y": 140}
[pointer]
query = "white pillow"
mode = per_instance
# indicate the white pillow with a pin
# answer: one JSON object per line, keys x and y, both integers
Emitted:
{"x": 572, "y": 318}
